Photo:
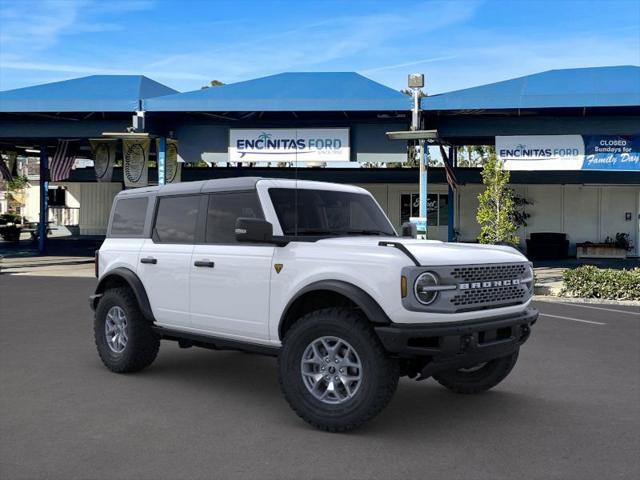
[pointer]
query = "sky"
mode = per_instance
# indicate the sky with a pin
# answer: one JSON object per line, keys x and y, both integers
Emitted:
{"x": 185, "y": 44}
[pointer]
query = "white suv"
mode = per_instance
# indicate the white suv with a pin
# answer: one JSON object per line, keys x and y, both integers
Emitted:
{"x": 312, "y": 273}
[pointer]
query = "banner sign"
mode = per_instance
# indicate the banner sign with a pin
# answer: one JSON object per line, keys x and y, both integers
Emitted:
{"x": 172, "y": 164}
{"x": 136, "y": 162}
{"x": 289, "y": 145}
{"x": 610, "y": 152}
{"x": 569, "y": 152}
{"x": 541, "y": 152}
{"x": 104, "y": 157}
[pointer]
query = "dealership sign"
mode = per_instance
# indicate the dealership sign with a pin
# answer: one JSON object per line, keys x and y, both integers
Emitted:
{"x": 289, "y": 145}
{"x": 569, "y": 152}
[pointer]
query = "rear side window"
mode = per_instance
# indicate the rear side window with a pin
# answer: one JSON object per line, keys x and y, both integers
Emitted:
{"x": 176, "y": 219}
{"x": 224, "y": 209}
{"x": 128, "y": 217}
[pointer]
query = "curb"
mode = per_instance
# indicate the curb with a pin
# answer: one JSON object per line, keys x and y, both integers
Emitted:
{"x": 598, "y": 301}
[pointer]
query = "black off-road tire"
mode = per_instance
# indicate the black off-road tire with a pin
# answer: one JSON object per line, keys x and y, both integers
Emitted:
{"x": 477, "y": 381}
{"x": 379, "y": 372}
{"x": 142, "y": 345}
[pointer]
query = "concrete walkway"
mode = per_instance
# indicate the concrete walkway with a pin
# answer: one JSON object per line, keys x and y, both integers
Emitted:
{"x": 48, "y": 266}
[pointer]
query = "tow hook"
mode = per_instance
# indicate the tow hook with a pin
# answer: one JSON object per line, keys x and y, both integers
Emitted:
{"x": 526, "y": 331}
{"x": 468, "y": 342}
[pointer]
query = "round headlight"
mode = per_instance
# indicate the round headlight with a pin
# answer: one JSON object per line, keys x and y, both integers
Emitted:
{"x": 422, "y": 288}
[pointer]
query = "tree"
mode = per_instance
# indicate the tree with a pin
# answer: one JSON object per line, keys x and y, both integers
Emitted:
{"x": 496, "y": 209}
{"x": 474, "y": 155}
{"x": 213, "y": 83}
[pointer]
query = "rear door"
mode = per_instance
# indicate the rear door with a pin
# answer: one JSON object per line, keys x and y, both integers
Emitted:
{"x": 165, "y": 259}
{"x": 230, "y": 281}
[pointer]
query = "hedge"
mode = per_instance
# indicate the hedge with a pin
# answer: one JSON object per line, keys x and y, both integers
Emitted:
{"x": 588, "y": 281}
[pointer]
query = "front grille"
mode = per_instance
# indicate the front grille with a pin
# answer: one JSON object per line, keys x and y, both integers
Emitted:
{"x": 479, "y": 273}
{"x": 495, "y": 296}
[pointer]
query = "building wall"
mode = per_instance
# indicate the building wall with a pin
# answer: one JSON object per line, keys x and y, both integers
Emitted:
{"x": 584, "y": 212}
{"x": 95, "y": 205}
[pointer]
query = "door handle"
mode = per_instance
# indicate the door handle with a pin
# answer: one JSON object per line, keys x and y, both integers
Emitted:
{"x": 204, "y": 263}
{"x": 149, "y": 260}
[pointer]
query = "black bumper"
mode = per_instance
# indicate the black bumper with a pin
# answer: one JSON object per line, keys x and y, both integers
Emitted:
{"x": 461, "y": 344}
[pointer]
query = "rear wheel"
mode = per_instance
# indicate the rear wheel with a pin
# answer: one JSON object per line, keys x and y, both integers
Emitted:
{"x": 333, "y": 371}
{"x": 124, "y": 338}
{"x": 478, "y": 378}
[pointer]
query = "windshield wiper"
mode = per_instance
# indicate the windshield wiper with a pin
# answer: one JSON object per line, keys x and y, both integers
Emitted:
{"x": 368, "y": 232}
{"x": 310, "y": 231}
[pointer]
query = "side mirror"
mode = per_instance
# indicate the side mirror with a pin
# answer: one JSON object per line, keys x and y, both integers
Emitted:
{"x": 254, "y": 230}
{"x": 409, "y": 230}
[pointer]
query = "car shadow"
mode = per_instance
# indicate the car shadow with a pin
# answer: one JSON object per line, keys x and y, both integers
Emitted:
{"x": 251, "y": 380}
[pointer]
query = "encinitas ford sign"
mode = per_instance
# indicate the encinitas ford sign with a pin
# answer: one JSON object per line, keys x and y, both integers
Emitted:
{"x": 569, "y": 152}
{"x": 541, "y": 152}
{"x": 289, "y": 145}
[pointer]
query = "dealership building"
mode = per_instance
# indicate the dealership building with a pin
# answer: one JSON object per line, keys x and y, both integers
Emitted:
{"x": 571, "y": 139}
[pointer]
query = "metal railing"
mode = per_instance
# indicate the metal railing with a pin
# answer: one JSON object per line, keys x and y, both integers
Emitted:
{"x": 64, "y": 215}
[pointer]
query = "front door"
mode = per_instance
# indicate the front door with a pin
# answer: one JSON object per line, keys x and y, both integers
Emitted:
{"x": 165, "y": 259}
{"x": 230, "y": 281}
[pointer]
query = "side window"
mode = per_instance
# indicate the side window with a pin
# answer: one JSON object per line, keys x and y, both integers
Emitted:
{"x": 224, "y": 209}
{"x": 176, "y": 219}
{"x": 128, "y": 217}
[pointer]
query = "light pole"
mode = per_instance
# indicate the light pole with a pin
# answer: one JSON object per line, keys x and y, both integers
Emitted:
{"x": 416, "y": 83}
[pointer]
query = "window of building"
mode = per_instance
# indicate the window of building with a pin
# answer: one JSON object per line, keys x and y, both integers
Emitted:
{"x": 128, "y": 217}
{"x": 437, "y": 211}
{"x": 223, "y": 211}
{"x": 57, "y": 197}
{"x": 176, "y": 219}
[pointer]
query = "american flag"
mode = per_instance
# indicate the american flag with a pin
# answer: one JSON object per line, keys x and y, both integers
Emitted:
{"x": 4, "y": 170}
{"x": 448, "y": 169}
{"x": 62, "y": 160}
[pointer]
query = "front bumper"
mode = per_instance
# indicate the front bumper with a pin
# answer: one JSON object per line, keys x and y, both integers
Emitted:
{"x": 447, "y": 346}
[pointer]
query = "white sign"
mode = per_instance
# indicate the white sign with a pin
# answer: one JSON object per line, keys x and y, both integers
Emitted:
{"x": 136, "y": 162}
{"x": 289, "y": 145}
{"x": 541, "y": 152}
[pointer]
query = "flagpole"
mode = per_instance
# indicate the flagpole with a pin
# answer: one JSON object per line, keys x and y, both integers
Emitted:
{"x": 44, "y": 199}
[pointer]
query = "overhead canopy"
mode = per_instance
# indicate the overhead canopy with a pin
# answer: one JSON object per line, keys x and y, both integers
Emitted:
{"x": 288, "y": 92}
{"x": 96, "y": 93}
{"x": 569, "y": 88}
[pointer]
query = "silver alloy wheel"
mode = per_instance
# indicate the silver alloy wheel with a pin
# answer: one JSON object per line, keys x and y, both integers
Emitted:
{"x": 115, "y": 329}
{"x": 331, "y": 370}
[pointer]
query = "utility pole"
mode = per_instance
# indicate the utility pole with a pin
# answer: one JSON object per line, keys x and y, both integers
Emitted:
{"x": 416, "y": 83}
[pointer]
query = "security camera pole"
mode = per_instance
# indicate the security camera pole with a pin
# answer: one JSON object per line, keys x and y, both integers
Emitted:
{"x": 416, "y": 83}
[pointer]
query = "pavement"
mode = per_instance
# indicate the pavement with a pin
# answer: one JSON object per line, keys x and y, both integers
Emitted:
{"x": 569, "y": 410}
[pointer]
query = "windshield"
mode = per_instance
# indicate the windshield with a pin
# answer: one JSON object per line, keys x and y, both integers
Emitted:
{"x": 328, "y": 213}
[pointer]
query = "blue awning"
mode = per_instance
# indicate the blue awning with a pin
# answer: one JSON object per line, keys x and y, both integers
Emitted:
{"x": 577, "y": 87}
{"x": 288, "y": 92}
{"x": 96, "y": 93}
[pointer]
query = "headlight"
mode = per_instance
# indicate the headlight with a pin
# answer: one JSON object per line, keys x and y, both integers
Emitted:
{"x": 425, "y": 288}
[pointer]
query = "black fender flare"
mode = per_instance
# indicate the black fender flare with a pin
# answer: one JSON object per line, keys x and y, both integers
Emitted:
{"x": 133, "y": 281}
{"x": 372, "y": 310}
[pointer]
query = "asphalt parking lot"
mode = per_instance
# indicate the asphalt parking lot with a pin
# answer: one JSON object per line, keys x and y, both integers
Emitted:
{"x": 570, "y": 409}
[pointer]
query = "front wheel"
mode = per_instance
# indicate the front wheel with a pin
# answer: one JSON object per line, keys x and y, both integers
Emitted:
{"x": 478, "y": 378}
{"x": 333, "y": 370}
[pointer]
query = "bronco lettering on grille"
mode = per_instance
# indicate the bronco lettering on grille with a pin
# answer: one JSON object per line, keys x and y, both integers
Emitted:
{"x": 493, "y": 283}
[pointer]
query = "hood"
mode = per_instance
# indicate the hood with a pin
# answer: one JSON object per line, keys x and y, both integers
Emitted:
{"x": 434, "y": 252}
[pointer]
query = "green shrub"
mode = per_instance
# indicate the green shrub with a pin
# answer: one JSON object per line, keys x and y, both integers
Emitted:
{"x": 593, "y": 282}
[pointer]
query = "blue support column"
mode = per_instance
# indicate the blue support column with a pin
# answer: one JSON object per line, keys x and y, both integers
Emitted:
{"x": 453, "y": 153}
{"x": 162, "y": 160}
{"x": 44, "y": 199}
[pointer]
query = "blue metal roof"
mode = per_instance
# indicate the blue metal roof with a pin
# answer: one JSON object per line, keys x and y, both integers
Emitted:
{"x": 298, "y": 92}
{"x": 96, "y": 93}
{"x": 577, "y": 87}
